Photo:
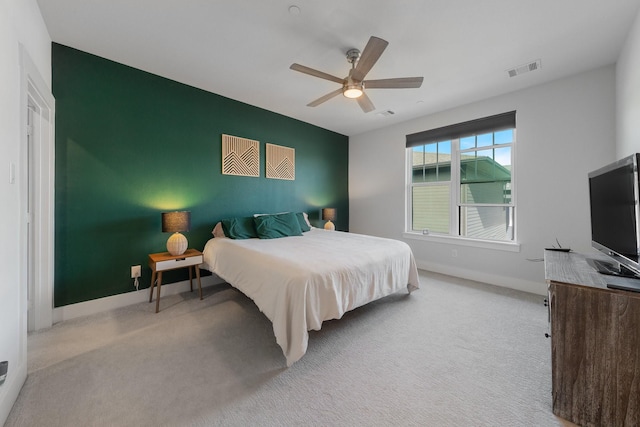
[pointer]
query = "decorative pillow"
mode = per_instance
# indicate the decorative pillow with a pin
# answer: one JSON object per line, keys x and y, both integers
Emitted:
{"x": 303, "y": 221}
{"x": 276, "y": 226}
{"x": 239, "y": 228}
{"x": 305, "y": 224}
{"x": 218, "y": 231}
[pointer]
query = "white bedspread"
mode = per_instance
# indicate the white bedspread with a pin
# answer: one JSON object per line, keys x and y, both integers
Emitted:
{"x": 299, "y": 282}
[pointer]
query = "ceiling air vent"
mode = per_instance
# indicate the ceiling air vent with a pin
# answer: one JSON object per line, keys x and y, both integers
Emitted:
{"x": 386, "y": 113}
{"x": 525, "y": 68}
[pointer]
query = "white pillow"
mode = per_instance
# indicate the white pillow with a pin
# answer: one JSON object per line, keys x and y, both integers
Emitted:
{"x": 278, "y": 213}
{"x": 306, "y": 218}
{"x": 218, "y": 231}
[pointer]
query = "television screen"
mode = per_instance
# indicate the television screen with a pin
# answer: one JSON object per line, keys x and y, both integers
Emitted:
{"x": 613, "y": 192}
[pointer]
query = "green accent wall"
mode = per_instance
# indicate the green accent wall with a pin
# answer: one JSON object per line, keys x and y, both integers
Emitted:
{"x": 130, "y": 145}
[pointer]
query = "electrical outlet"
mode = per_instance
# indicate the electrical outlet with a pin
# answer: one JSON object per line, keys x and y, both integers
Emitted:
{"x": 135, "y": 271}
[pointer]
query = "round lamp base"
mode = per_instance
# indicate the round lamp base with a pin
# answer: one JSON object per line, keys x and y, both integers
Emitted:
{"x": 177, "y": 244}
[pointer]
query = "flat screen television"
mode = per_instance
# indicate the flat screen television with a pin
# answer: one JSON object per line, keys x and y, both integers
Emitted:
{"x": 615, "y": 216}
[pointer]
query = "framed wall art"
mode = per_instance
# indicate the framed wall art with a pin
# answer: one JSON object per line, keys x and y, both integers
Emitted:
{"x": 240, "y": 156}
{"x": 281, "y": 162}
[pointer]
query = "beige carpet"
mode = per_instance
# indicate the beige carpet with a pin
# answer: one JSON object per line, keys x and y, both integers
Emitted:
{"x": 454, "y": 353}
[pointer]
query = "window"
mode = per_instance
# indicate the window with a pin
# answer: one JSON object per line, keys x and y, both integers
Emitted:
{"x": 461, "y": 180}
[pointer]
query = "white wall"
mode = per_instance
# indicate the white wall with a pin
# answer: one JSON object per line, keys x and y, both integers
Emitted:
{"x": 628, "y": 94}
{"x": 565, "y": 129}
{"x": 20, "y": 24}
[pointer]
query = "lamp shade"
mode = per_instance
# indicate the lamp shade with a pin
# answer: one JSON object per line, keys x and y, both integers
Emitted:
{"x": 329, "y": 214}
{"x": 173, "y": 222}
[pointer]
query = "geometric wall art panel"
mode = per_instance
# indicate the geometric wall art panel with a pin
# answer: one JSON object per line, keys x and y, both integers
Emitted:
{"x": 281, "y": 162}
{"x": 240, "y": 156}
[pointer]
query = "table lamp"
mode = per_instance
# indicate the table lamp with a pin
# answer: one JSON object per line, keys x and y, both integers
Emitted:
{"x": 329, "y": 214}
{"x": 175, "y": 222}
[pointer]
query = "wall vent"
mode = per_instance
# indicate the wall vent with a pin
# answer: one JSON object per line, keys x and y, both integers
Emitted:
{"x": 525, "y": 68}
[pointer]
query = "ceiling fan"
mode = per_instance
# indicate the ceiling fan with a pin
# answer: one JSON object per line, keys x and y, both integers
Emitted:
{"x": 353, "y": 85}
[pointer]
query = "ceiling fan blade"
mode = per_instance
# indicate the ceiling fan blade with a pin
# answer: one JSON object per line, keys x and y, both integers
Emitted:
{"x": 369, "y": 57}
{"x": 324, "y": 98}
{"x": 365, "y": 103}
{"x": 398, "y": 83}
{"x": 316, "y": 73}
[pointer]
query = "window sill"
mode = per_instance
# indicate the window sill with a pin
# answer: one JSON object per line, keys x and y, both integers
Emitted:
{"x": 465, "y": 241}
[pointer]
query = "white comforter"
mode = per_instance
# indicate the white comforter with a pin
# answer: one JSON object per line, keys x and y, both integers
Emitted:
{"x": 298, "y": 282}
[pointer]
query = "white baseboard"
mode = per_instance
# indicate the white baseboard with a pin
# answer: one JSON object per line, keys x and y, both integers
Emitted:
{"x": 71, "y": 311}
{"x": 492, "y": 279}
{"x": 9, "y": 391}
{"x": 85, "y": 308}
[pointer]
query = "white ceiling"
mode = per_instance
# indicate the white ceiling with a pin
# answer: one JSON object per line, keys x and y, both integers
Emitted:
{"x": 242, "y": 49}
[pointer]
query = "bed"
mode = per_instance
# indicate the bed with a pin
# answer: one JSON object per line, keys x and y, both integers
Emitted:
{"x": 300, "y": 281}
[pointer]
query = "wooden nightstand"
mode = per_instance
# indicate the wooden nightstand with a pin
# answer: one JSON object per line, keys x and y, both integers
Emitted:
{"x": 164, "y": 261}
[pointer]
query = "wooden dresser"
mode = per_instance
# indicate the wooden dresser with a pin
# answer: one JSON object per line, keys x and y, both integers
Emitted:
{"x": 595, "y": 344}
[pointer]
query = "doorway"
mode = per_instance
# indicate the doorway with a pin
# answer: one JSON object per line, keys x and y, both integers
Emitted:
{"x": 37, "y": 197}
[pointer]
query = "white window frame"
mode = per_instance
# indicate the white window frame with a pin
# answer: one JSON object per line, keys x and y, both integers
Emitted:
{"x": 454, "y": 236}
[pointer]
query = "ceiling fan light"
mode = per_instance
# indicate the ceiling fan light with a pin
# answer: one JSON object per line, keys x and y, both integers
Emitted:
{"x": 352, "y": 91}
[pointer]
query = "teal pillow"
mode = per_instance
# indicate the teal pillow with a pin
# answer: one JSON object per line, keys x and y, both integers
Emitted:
{"x": 276, "y": 226}
{"x": 303, "y": 222}
{"x": 239, "y": 228}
